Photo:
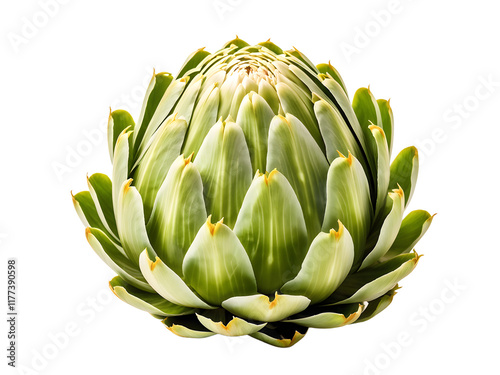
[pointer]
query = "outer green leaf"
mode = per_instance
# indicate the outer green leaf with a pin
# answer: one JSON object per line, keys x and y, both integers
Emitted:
{"x": 149, "y": 302}
{"x": 326, "y": 265}
{"x": 254, "y": 117}
{"x": 328, "y": 316}
{"x": 163, "y": 110}
{"x": 389, "y": 229}
{"x": 272, "y": 47}
{"x": 348, "y": 200}
{"x": 192, "y": 61}
{"x": 160, "y": 155}
{"x": 121, "y": 165}
{"x": 187, "y": 326}
{"x": 178, "y": 213}
{"x": 336, "y": 133}
{"x": 344, "y": 106}
{"x": 236, "y": 42}
{"x": 118, "y": 121}
{"x": 168, "y": 284}
{"x": 260, "y": 307}
{"x": 270, "y": 95}
{"x": 204, "y": 117}
{"x": 294, "y": 153}
{"x": 404, "y": 172}
{"x": 101, "y": 190}
{"x": 130, "y": 222}
{"x": 185, "y": 105}
{"x": 217, "y": 266}
{"x": 293, "y": 103}
{"x": 154, "y": 94}
{"x": 87, "y": 211}
{"x": 378, "y": 305}
{"x": 382, "y": 162}
{"x": 367, "y": 111}
{"x": 271, "y": 228}
{"x": 329, "y": 69}
{"x": 227, "y": 92}
{"x": 226, "y": 170}
{"x": 375, "y": 281}
{"x": 282, "y": 335}
{"x": 228, "y": 327}
{"x": 114, "y": 256}
{"x": 413, "y": 227}
{"x": 387, "y": 121}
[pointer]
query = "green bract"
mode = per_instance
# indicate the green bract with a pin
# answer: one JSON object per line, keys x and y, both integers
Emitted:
{"x": 252, "y": 198}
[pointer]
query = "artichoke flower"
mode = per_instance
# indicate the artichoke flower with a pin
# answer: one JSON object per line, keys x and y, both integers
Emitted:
{"x": 252, "y": 198}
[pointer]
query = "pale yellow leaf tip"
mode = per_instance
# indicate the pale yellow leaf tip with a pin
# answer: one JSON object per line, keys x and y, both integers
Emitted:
{"x": 188, "y": 159}
{"x": 127, "y": 185}
{"x": 213, "y": 227}
{"x": 337, "y": 234}
{"x": 88, "y": 233}
{"x": 268, "y": 176}
{"x": 152, "y": 265}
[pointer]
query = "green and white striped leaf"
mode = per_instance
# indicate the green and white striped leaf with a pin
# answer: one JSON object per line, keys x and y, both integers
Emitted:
{"x": 118, "y": 121}
{"x": 178, "y": 213}
{"x": 168, "y": 284}
{"x": 302, "y": 108}
{"x": 330, "y": 70}
{"x": 228, "y": 327}
{"x": 387, "y": 123}
{"x": 193, "y": 61}
{"x": 260, "y": 307}
{"x": 389, "y": 229}
{"x": 271, "y": 228}
{"x": 293, "y": 152}
{"x": 254, "y": 117}
{"x": 204, "y": 117}
{"x": 217, "y": 266}
{"x": 154, "y": 94}
{"x": 328, "y": 316}
{"x": 87, "y": 211}
{"x": 130, "y": 222}
{"x": 114, "y": 257}
{"x": 185, "y": 106}
{"x": 101, "y": 191}
{"x": 404, "y": 172}
{"x": 336, "y": 134}
{"x": 281, "y": 335}
{"x": 226, "y": 171}
{"x": 344, "y": 105}
{"x": 367, "y": 112}
{"x": 227, "y": 91}
{"x": 270, "y": 95}
{"x": 325, "y": 266}
{"x": 348, "y": 200}
{"x": 413, "y": 227}
{"x": 272, "y": 47}
{"x": 187, "y": 326}
{"x": 382, "y": 163}
{"x": 378, "y": 305}
{"x": 149, "y": 302}
{"x": 163, "y": 110}
{"x": 121, "y": 165}
{"x": 374, "y": 281}
{"x": 153, "y": 167}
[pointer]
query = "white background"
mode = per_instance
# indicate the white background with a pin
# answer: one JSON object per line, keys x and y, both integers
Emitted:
{"x": 57, "y": 80}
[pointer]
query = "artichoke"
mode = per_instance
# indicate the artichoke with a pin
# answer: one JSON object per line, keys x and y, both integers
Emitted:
{"x": 252, "y": 198}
